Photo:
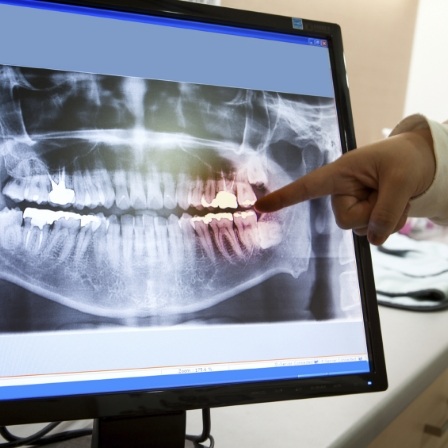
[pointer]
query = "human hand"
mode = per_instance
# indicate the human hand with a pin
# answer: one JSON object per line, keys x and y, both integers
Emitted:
{"x": 370, "y": 187}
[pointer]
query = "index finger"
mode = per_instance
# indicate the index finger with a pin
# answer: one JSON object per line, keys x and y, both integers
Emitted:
{"x": 311, "y": 186}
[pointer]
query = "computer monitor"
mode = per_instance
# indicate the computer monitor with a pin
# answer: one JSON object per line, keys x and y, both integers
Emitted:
{"x": 136, "y": 276}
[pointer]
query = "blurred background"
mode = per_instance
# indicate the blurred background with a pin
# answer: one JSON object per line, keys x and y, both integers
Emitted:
{"x": 396, "y": 55}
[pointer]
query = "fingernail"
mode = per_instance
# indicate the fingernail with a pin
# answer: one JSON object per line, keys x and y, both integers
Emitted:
{"x": 373, "y": 238}
{"x": 376, "y": 234}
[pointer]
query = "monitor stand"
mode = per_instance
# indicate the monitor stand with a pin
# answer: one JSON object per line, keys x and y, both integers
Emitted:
{"x": 165, "y": 430}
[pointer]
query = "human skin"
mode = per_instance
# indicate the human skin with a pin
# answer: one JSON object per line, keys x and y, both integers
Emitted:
{"x": 370, "y": 187}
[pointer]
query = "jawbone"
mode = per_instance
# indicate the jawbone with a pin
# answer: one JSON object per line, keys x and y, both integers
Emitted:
{"x": 149, "y": 210}
{"x": 141, "y": 263}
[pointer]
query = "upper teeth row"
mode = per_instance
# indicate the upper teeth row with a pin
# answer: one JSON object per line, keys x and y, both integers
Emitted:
{"x": 101, "y": 188}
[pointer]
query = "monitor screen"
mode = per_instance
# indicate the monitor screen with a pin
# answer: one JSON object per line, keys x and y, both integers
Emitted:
{"x": 135, "y": 138}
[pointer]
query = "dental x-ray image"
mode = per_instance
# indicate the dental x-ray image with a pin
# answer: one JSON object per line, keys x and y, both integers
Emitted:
{"x": 128, "y": 201}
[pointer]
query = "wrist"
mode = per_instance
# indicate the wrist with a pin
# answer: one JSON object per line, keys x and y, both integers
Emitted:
{"x": 421, "y": 144}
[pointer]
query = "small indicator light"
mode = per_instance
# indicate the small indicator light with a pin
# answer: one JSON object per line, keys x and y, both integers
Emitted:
{"x": 297, "y": 24}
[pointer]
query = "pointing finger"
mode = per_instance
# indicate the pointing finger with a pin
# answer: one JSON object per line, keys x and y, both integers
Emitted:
{"x": 313, "y": 185}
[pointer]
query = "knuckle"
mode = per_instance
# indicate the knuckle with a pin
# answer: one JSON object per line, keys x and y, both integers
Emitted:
{"x": 343, "y": 222}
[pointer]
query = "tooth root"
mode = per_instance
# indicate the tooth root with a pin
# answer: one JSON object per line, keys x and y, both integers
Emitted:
{"x": 169, "y": 191}
{"x": 150, "y": 239}
{"x": 270, "y": 234}
{"x": 72, "y": 226}
{"x": 175, "y": 240}
{"x": 92, "y": 196}
{"x": 195, "y": 194}
{"x": 203, "y": 234}
{"x": 137, "y": 191}
{"x": 138, "y": 237}
{"x": 127, "y": 239}
{"x": 99, "y": 243}
{"x": 182, "y": 192}
{"x": 225, "y": 238}
{"x": 246, "y": 224}
{"x": 154, "y": 192}
{"x": 61, "y": 240}
{"x": 210, "y": 191}
{"x": 224, "y": 184}
{"x": 122, "y": 199}
{"x": 245, "y": 194}
{"x": 82, "y": 244}
{"x": 98, "y": 187}
{"x": 105, "y": 184}
{"x": 188, "y": 236}
{"x": 161, "y": 234}
{"x": 113, "y": 242}
{"x": 80, "y": 190}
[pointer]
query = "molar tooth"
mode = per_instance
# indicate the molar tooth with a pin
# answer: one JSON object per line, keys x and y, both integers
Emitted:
{"x": 153, "y": 190}
{"x": 10, "y": 228}
{"x": 61, "y": 239}
{"x": 15, "y": 189}
{"x": 225, "y": 238}
{"x": 256, "y": 173}
{"x": 169, "y": 191}
{"x": 62, "y": 190}
{"x": 245, "y": 193}
{"x": 32, "y": 236}
{"x": 182, "y": 192}
{"x": 223, "y": 200}
{"x": 121, "y": 190}
{"x": 246, "y": 224}
{"x": 224, "y": 184}
{"x": 270, "y": 233}
{"x": 37, "y": 189}
{"x": 137, "y": 191}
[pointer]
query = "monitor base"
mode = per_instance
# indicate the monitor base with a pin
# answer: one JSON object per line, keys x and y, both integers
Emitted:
{"x": 156, "y": 431}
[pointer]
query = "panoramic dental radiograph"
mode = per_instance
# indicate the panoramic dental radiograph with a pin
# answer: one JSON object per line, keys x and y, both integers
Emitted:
{"x": 130, "y": 201}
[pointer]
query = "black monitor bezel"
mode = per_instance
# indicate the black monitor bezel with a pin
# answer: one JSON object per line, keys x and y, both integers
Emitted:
{"x": 152, "y": 402}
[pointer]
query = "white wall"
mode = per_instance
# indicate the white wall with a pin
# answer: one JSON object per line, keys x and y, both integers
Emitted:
{"x": 427, "y": 90}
